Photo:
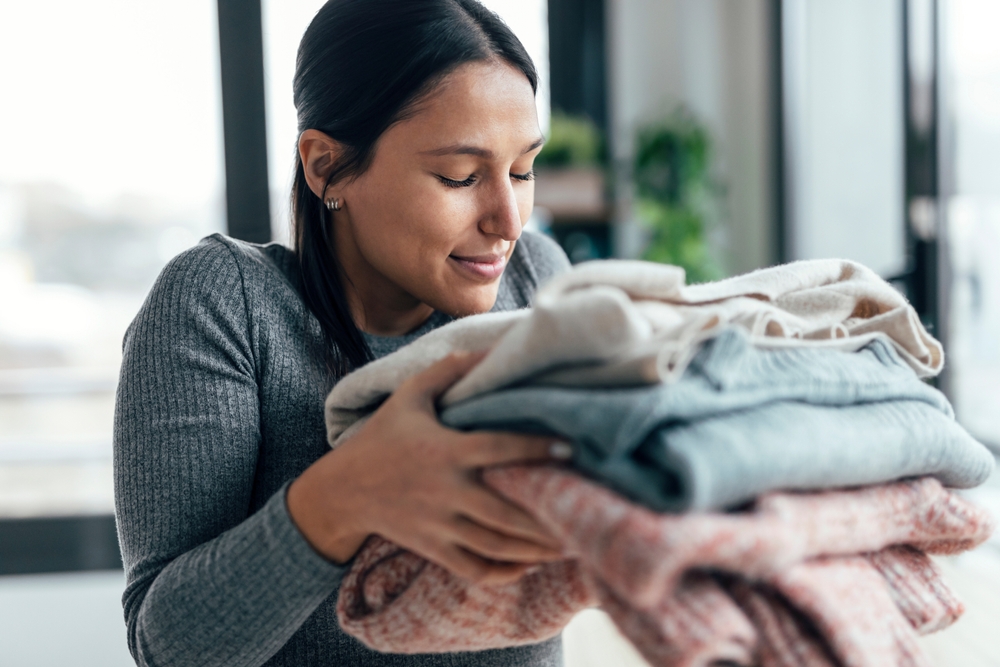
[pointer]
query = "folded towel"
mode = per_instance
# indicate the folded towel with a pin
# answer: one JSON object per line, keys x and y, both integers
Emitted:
{"x": 617, "y": 322}
{"x": 778, "y": 581}
{"x": 742, "y": 421}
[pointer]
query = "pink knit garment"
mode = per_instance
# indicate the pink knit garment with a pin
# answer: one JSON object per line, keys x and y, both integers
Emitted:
{"x": 800, "y": 579}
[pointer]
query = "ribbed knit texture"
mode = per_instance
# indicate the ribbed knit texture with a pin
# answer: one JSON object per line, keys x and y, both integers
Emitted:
{"x": 219, "y": 407}
{"x": 742, "y": 421}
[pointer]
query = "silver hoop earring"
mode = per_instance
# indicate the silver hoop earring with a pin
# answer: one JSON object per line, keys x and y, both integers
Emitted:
{"x": 333, "y": 204}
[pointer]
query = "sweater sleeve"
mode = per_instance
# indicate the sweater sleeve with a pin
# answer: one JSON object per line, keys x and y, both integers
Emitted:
{"x": 207, "y": 583}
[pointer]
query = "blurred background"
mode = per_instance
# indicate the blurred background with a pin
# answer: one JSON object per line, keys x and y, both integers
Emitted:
{"x": 720, "y": 135}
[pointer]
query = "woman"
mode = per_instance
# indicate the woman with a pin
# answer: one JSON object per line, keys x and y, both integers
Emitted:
{"x": 418, "y": 132}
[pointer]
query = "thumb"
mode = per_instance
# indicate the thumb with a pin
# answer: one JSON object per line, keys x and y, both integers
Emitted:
{"x": 430, "y": 383}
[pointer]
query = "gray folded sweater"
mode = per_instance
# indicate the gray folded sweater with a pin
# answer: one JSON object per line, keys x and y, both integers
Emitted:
{"x": 743, "y": 421}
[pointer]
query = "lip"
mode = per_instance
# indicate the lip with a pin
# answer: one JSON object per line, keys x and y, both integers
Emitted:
{"x": 482, "y": 267}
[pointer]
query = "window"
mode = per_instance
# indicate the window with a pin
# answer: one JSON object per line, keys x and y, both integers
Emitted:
{"x": 110, "y": 164}
{"x": 971, "y": 67}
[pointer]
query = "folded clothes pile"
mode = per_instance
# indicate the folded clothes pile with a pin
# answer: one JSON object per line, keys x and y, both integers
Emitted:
{"x": 713, "y": 402}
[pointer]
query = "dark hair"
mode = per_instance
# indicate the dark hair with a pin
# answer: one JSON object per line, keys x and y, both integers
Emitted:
{"x": 362, "y": 66}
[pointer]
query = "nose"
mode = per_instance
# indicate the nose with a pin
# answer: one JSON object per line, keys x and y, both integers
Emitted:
{"x": 501, "y": 215}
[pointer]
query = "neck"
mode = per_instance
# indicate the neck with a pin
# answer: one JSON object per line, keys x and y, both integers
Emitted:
{"x": 378, "y": 305}
{"x": 375, "y": 314}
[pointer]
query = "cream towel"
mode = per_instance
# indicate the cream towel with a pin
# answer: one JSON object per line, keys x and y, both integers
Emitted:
{"x": 620, "y": 322}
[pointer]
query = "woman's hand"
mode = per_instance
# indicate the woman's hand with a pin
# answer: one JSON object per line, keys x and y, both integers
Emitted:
{"x": 416, "y": 483}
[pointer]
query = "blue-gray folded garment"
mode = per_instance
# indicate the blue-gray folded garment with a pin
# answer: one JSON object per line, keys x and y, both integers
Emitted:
{"x": 743, "y": 421}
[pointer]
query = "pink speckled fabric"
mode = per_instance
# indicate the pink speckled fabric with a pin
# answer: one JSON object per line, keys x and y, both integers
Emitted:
{"x": 397, "y": 602}
{"x": 829, "y": 578}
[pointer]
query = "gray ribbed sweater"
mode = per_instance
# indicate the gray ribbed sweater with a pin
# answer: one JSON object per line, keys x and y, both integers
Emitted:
{"x": 219, "y": 407}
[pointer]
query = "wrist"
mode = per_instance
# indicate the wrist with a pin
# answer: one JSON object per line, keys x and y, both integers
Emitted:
{"x": 326, "y": 527}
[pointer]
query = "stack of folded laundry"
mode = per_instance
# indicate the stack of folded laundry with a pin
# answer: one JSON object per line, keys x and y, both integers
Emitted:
{"x": 758, "y": 476}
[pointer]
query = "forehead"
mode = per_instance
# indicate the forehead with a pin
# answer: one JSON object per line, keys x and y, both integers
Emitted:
{"x": 489, "y": 104}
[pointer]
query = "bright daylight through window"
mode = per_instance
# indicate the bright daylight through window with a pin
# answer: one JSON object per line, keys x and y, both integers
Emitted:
{"x": 110, "y": 164}
{"x": 972, "y": 66}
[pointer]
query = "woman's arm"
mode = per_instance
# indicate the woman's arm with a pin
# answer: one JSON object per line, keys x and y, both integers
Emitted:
{"x": 409, "y": 479}
{"x": 206, "y": 584}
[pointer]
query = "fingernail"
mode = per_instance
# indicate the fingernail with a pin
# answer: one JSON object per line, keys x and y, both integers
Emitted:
{"x": 560, "y": 450}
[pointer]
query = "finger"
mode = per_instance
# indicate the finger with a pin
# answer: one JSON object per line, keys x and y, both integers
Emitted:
{"x": 437, "y": 378}
{"x": 500, "y": 515}
{"x": 479, "y": 570}
{"x": 492, "y": 545}
{"x": 490, "y": 448}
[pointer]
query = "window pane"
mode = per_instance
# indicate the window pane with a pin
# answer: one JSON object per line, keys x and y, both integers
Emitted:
{"x": 844, "y": 130}
{"x": 110, "y": 164}
{"x": 972, "y": 62}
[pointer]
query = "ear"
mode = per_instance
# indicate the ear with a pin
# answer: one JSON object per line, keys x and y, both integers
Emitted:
{"x": 319, "y": 153}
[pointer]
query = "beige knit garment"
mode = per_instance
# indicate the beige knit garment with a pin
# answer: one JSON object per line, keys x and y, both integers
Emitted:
{"x": 619, "y": 323}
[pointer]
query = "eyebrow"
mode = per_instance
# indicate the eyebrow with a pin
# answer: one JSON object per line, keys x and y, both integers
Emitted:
{"x": 465, "y": 149}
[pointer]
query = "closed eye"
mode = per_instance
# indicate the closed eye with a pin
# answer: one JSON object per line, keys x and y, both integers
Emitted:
{"x": 451, "y": 183}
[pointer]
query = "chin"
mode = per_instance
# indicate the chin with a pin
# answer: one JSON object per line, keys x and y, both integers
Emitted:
{"x": 471, "y": 302}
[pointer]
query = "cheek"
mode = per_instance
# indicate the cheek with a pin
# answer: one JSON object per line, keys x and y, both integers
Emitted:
{"x": 405, "y": 230}
{"x": 432, "y": 223}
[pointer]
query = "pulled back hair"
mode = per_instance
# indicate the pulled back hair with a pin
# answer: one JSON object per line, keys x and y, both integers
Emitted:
{"x": 362, "y": 66}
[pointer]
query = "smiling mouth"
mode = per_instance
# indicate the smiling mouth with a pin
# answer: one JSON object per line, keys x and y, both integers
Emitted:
{"x": 483, "y": 267}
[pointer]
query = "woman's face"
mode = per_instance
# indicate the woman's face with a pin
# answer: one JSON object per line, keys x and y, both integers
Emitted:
{"x": 434, "y": 220}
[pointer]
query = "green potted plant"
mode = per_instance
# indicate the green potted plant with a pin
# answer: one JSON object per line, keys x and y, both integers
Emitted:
{"x": 673, "y": 194}
{"x": 570, "y": 178}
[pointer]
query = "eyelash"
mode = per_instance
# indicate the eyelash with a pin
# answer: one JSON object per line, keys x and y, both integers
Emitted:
{"x": 530, "y": 176}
